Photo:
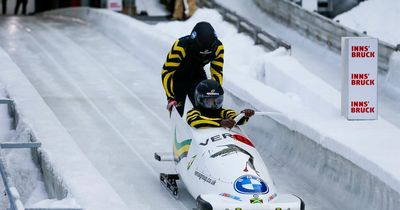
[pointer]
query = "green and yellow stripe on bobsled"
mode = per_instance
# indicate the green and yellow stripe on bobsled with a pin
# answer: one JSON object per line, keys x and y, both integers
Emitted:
{"x": 181, "y": 149}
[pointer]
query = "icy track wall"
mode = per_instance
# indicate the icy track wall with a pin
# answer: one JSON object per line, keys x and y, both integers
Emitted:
{"x": 54, "y": 186}
{"x": 329, "y": 172}
{"x": 320, "y": 28}
{"x": 65, "y": 167}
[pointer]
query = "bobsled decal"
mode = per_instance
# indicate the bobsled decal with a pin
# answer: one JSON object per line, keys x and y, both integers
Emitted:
{"x": 243, "y": 139}
{"x": 249, "y": 184}
{"x": 256, "y": 201}
{"x": 234, "y": 197}
{"x": 181, "y": 149}
{"x": 191, "y": 162}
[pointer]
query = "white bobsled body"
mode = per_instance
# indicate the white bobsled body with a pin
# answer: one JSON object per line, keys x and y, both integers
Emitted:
{"x": 222, "y": 169}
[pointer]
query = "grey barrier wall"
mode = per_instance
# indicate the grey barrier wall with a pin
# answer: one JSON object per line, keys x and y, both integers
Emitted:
{"x": 347, "y": 185}
{"x": 320, "y": 28}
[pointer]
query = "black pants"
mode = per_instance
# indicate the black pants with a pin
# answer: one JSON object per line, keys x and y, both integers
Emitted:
{"x": 19, "y": 2}
{"x": 4, "y": 5}
{"x": 185, "y": 85}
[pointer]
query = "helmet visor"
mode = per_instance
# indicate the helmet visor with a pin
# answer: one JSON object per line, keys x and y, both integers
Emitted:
{"x": 214, "y": 102}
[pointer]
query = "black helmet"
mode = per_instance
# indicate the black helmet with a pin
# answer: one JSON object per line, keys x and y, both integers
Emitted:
{"x": 203, "y": 38}
{"x": 209, "y": 94}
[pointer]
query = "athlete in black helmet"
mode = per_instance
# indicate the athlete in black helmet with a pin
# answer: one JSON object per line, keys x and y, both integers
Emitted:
{"x": 208, "y": 111}
{"x": 183, "y": 68}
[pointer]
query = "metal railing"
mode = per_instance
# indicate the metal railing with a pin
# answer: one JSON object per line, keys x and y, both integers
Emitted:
{"x": 11, "y": 191}
{"x": 259, "y": 36}
{"x": 319, "y": 28}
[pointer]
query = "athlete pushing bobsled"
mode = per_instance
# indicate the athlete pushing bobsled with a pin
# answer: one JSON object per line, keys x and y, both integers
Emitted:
{"x": 184, "y": 66}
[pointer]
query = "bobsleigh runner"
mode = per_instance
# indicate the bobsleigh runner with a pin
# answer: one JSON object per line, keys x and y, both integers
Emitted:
{"x": 222, "y": 170}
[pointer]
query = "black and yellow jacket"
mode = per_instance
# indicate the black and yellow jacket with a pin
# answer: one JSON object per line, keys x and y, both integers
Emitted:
{"x": 181, "y": 64}
{"x": 206, "y": 118}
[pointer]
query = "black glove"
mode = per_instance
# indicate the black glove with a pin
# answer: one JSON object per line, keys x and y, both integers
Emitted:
{"x": 227, "y": 123}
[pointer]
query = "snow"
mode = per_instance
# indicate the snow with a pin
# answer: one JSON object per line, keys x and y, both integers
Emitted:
{"x": 310, "y": 5}
{"x": 379, "y": 18}
{"x": 315, "y": 57}
{"x": 394, "y": 76}
{"x": 152, "y": 7}
{"x": 272, "y": 81}
{"x": 25, "y": 176}
{"x": 68, "y": 203}
{"x": 5, "y": 120}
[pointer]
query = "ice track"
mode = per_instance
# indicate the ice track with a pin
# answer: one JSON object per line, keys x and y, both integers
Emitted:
{"x": 112, "y": 103}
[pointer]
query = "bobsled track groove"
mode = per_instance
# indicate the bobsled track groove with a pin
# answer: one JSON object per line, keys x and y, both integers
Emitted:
{"x": 93, "y": 105}
{"x": 60, "y": 78}
{"x": 111, "y": 102}
{"x": 100, "y": 113}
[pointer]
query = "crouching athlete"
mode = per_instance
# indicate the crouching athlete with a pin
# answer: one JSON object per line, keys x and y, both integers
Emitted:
{"x": 208, "y": 111}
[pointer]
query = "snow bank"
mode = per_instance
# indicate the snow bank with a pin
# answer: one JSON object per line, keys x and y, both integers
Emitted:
{"x": 24, "y": 174}
{"x": 152, "y": 7}
{"x": 393, "y": 77}
{"x": 66, "y": 203}
{"x": 66, "y": 166}
{"x": 377, "y": 17}
{"x": 5, "y": 120}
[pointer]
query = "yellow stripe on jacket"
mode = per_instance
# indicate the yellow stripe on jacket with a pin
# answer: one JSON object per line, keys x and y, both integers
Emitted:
{"x": 172, "y": 63}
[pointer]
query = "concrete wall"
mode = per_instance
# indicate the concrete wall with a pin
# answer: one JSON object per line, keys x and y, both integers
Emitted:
{"x": 317, "y": 27}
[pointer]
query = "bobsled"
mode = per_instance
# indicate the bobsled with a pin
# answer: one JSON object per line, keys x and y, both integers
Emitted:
{"x": 222, "y": 169}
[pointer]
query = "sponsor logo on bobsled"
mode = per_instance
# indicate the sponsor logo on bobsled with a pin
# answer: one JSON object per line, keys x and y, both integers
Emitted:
{"x": 223, "y": 136}
{"x": 205, "y": 178}
{"x": 256, "y": 201}
{"x": 234, "y": 197}
{"x": 249, "y": 184}
{"x": 216, "y": 138}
